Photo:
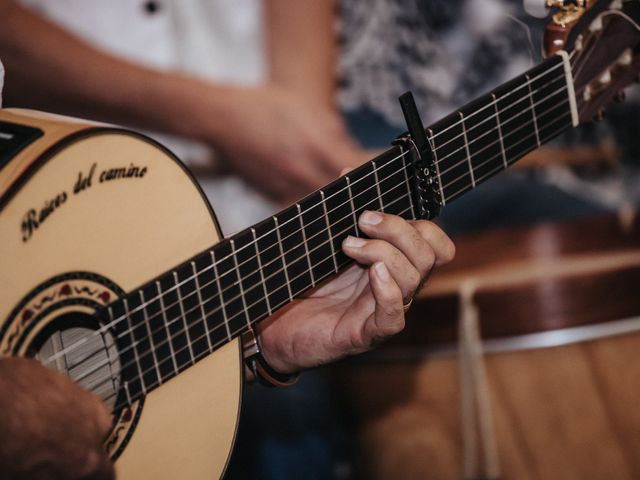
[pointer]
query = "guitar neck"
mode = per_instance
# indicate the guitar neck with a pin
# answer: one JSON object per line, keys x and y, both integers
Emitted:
{"x": 187, "y": 313}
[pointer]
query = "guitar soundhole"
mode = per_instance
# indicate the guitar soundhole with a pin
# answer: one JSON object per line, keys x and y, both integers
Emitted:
{"x": 73, "y": 344}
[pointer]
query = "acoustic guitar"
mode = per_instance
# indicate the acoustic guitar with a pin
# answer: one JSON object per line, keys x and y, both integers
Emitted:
{"x": 112, "y": 269}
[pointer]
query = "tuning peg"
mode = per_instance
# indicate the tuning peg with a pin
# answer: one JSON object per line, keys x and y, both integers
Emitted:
{"x": 605, "y": 78}
{"x": 599, "y": 116}
{"x": 620, "y": 96}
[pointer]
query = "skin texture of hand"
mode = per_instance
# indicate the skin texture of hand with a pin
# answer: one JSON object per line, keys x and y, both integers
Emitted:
{"x": 51, "y": 429}
{"x": 363, "y": 304}
{"x": 283, "y": 144}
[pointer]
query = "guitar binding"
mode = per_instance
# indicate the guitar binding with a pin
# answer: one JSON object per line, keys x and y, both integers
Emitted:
{"x": 426, "y": 192}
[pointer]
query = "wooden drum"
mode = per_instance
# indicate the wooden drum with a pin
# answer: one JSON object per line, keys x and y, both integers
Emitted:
{"x": 556, "y": 393}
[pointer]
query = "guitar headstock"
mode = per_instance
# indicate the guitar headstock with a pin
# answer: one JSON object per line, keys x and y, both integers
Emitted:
{"x": 602, "y": 38}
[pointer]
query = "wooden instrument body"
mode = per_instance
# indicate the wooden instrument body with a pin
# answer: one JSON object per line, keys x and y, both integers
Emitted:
{"x": 126, "y": 231}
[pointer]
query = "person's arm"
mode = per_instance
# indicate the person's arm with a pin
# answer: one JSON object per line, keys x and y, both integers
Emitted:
{"x": 50, "y": 427}
{"x": 275, "y": 138}
{"x": 302, "y": 48}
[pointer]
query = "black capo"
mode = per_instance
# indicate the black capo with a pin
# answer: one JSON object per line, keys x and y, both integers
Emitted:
{"x": 426, "y": 193}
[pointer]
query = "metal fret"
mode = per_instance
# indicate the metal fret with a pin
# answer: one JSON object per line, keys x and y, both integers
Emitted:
{"x": 497, "y": 114}
{"x": 183, "y": 316}
{"x": 466, "y": 148}
{"x": 375, "y": 175}
{"x": 201, "y": 304}
{"x": 533, "y": 110}
{"x": 284, "y": 265}
{"x": 331, "y": 240}
{"x": 125, "y": 303}
{"x": 353, "y": 208}
{"x": 222, "y": 305}
{"x": 242, "y": 295}
{"x": 306, "y": 246}
{"x": 151, "y": 344}
{"x": 166, "y": 326}
{"x": 264, "y": 284}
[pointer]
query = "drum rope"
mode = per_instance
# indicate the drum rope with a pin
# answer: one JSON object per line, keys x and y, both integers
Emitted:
{"x": 478, "y": 432}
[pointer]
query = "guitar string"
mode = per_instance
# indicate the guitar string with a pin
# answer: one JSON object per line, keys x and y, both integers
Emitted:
{"x": 143, "y": 305}
{"x": 219, "y": 296}
{"x": 61, "y": 353}
{"x": 205, "y": 335}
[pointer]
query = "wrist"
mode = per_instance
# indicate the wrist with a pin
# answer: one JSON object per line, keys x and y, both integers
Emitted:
{"x": 259, "y": 367}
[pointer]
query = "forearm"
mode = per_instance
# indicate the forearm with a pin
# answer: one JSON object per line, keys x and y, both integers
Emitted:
{"x": 301, "y": 43}
{"x": 51, "y": 69}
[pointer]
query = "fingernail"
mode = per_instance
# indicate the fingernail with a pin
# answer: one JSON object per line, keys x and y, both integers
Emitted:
{"x": 382, "y": 272}
{"x": 353, "y": 242}
{"x": 371, "y": 218}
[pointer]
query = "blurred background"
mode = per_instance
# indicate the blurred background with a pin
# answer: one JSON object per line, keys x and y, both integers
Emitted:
{"x": 518, "y": 357}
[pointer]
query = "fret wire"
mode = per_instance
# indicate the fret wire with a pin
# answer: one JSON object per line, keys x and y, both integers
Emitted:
{"x": 547, "y": 72}
{"x": 284, "y": 265}
{"x": 409, "y": 194}
{"x": 436, "y": 162}
{"x": 260, "y": 269}
{"x": 504, "y": 155}
{"x": 184, "y": 317}
{"x": 200, "y": 302}
{"x": 304, "y": 242}
{"x": 133, "y": 344}
{"x": 222, "y": 303}
{"x": 217, "y": 345}
{"x": 533, "y": 110}
{"x": 516, "y": 158}
{"x": 488, "y": 131}
{"x": 242, "y": 296}
{"x": 404, "y": 153}
{"x": 508, "y": 133}
{"x": 353, "y": 208}
{"x": 148, "y": 328}
{"x": 163, "y": 311}
{"x": 466, "y": 146}
{"x": 326, "y": 221}
{"x": 377, "y": 184}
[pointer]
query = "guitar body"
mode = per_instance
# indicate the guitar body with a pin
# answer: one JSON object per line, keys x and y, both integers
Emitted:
{"x": 88, "y": 213}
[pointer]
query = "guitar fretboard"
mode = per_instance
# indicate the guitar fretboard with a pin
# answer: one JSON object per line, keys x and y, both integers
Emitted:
{"x": 182, "y": 316}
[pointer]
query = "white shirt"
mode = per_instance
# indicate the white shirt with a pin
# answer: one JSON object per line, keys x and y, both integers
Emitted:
{"x": 219, "y": 40}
